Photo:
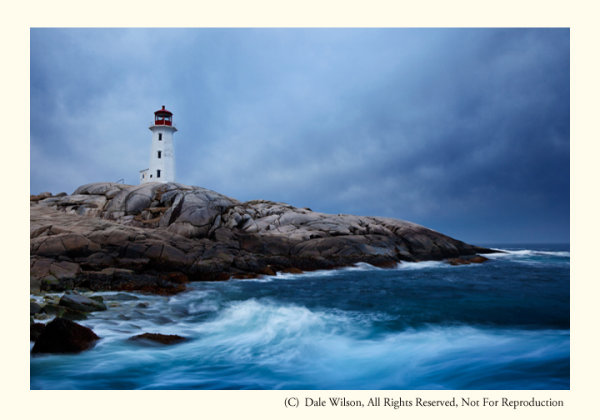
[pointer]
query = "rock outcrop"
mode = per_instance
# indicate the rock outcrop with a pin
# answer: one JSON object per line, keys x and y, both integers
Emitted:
{"x": 64, "y": 336}
{"x": 35, "y": 329}
{"x": 156, "y": 237}
{"x": 70, "y": 305}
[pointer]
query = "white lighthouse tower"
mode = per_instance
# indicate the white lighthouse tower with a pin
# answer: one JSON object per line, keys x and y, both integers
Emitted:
{"x": 162, "y": 153}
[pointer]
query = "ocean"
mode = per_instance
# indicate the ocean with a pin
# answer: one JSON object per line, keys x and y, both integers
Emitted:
{"x": 503, "y": 324}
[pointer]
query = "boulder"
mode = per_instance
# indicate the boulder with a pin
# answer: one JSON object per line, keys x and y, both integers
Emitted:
{"x": 64, "y": 269}
{"x": 91, "y": 201}
{"x": 467, "y": 259}
{"x": 157, "y": 338}
{"x": 64, "y": 336}
{"x": 50, "y": 246}
{"x": 173, "y": 256}
{"x": 35, "y": 330}
{"x": 108, "y": 189}
{"x": 76, "y": 244}
{"x": 97, "y": 260}
{"x": 40, "y": 196}
{"x": 40, "y": 267}
{"x": 64, "y": 312}
{"x": 81, "y": 303}
{"x": 34, "y": 308}
{"x": 136, "y": 202}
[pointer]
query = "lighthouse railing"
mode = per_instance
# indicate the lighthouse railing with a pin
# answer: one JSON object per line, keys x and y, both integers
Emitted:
{"x": 162, "y": 123}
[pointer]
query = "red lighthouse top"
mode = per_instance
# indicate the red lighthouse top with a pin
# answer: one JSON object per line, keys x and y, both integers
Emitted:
{"x": 163, "y": 117}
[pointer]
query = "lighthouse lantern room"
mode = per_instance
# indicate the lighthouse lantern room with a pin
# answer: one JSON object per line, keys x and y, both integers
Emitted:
{"x": 162, "y": 153}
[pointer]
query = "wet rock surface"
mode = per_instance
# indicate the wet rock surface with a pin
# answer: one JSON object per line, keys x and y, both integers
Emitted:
{"x": 157, "y": 237}
{"x": 63, "y": 336}
{"x": 469, "y": 259}
{"x": 35, "y": 329}
{"x": 70, "y": 305}
{"x": 81, "y": 303}
{"x": 154, "y": 338}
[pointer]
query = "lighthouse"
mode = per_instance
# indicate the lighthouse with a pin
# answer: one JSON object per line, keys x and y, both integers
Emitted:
{"x": 162, "y": 154}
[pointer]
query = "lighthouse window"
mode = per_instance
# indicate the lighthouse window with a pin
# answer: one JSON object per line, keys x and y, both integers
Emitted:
{"x": 159, "y": 153}
{"x": 158, "y": 173}
{"x": 160, "y": 136}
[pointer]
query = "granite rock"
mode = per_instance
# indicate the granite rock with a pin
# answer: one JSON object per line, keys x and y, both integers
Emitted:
{"x": 64, "y": 336}
{"x": 158, "y": 338}
{"x": 156, "y": 237}
{"x": 81, "y": 303}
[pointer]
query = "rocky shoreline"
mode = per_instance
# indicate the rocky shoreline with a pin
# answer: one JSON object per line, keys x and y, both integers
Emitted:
{"x": 53, "y": 328}
{"x": 157, "y": 237}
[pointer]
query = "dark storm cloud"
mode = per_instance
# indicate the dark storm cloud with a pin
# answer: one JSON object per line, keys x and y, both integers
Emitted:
{"x": 463, "y": 130}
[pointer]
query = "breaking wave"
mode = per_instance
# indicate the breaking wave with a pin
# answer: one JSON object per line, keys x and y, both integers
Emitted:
{"x": 263, "y": 345}
{"x": 503, "y": 324}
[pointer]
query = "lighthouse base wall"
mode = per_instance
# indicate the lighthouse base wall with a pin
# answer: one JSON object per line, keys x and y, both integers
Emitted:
{"x": 162, "y": 156}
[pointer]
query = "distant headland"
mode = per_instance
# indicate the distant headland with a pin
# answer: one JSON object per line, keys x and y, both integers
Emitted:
{"x": 156, "y": 237}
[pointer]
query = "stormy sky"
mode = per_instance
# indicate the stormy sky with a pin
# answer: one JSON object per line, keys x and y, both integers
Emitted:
{"x": 465, "y": 131}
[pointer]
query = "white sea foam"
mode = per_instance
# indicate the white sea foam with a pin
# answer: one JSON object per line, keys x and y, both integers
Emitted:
{"x": 362, "y": 266}
{"x": 406, "y": 265}
{"x": 327, "y": 349}
{"x": 316, "y": 273}
{"x": 527, "y": 253}
{"x": 532, "y": 257}
{"x": 265, "y": 344}
{"x": 261, "y": 279}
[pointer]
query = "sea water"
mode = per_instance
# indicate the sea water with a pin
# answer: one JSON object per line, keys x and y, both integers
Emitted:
{"x": 503, "y": 324}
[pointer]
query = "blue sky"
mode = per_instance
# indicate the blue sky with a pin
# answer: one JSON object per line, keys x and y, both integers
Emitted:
{"x": 465, "y": 131}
